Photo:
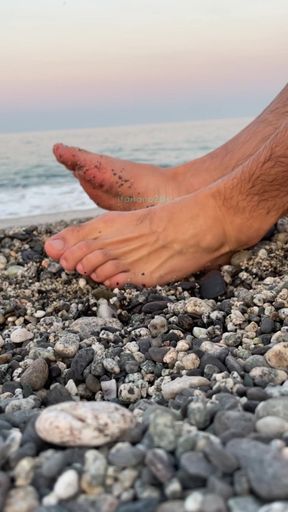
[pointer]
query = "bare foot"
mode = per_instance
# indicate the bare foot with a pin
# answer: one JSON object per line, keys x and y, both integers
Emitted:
{"x": 122, "y": 185}
{"x": 167, "y": 242}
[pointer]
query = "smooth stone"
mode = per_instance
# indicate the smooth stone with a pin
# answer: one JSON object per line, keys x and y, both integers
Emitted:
{"x": 67, "y": 485}
{"x": 243, "y": 504}
{"x": 237, "y": 421}
{"x": 158, "y": 325}
{"x": 198, "y": 413}
{"x": 154, "y": 306}
{"x": 104, "y": 310}
{"x": 273, "y": 407}
{"x": 254, "y": 361}
{"x": 220, "y": 458}
{"x": 89, "y": 326}
{"x": 157, "y": 354}
{"x": 84, "y": 423}
{"x": 277, "y": 356}
{"x": 23, "y": 499}
{"x": 20, "y": 335}
{"x": 263, "y": 376}
{"x": 124, "y": 454}
{"x": 3, "y": 262}
{"x": 159, "y": 462}
{"x": 174, "y": 387}
{"x": 196, "y": 465}
{"x": 265, "y": 467}
{"x": 95, "y": 469}
{"x": 67, "y": 345}
{"x": 212, "y": 285}
{"x": 35, "y": 375}
{"x": 271, "y": 426}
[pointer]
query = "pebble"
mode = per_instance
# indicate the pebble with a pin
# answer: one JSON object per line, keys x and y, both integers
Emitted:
{"x": 173, "y": 388}
{"x": 81, "y": 361}
{"x": 158, "y": 325}
{"x": 159, "y": 463}
{"x": 67, "y": 485}
{"x": 198, "y": 307}
{"x": 15, "y": 270}
{"x": 124, "y": 455}
{"x": 200, "y": 502}
{"x": 196, "y": 465}
{"x": 172, "y": 506}
{"x": 67, "y": 345}
{"x": 271, "y": 426}
{"x": 109, "y": 388}
{"x": 90, "y": 326}
{"x": 277, "y": 356}
{"x": 273, "y": 407}
{"x": 83, "y": 423}
{"x": 212, "y": 285}
{"x": 163, "y": 430}
{"x": 266, "y": 468}
{"x": 4, "y": 488}
{"x": 129, "y": 393}
{"x": 22, "y": 499}
{"x": 20, "y": 335}
{"x": 262, "y": 376}
{"x": 244, "y": 504}
{"x": 35, "y": 375}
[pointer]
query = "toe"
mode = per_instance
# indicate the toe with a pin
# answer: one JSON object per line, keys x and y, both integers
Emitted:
{"x": 66, "y": 239}
{"x": 75, "y": 254}
{"x": 108, "y": 270}
{"x": 71, "y": 156}
{"x": 93, "y": 260}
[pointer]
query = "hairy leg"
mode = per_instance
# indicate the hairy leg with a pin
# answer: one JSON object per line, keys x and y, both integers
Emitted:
{"x": 170, "y": 241}
{"x": 117, "y": 184}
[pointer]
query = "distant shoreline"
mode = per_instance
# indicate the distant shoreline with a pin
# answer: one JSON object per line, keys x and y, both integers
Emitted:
{"x": 49, "y": 217}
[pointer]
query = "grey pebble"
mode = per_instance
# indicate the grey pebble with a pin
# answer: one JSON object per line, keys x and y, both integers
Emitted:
{"x": 244, "y": 504}
{"x": 36, "y": 374}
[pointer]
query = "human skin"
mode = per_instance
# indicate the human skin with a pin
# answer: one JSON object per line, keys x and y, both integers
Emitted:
{"x": 116, "y": 184}
{"x": 169, "y": 241}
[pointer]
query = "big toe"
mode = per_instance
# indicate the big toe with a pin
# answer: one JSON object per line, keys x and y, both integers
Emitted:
{"x": 73, "y": 158}
{"x": 56, "y": 245}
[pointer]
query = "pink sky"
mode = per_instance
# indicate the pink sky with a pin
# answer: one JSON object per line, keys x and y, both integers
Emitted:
{"x": 127, "y": 56}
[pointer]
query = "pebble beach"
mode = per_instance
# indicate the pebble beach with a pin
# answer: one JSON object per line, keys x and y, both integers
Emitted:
{"x": 165, "y": 399}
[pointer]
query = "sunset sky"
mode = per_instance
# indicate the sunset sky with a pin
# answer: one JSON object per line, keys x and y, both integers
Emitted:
{"x": 86, "y": 63}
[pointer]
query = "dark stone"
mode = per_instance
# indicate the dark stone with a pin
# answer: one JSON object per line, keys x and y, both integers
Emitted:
{"x": 54, "y": 466}
{"x": 92, "y": 383}
{"x": 144, "y": 344}
{"x": 265, "y": 466}
{"x": 195, "y": 464}
{"x": 267, "y": 325}
{"x": 84, "y": 357}
{"x": 160, "y": 463}
{"x": 146, "y": 505}
{"x": 124, "y": 455}
{"x": 19, "y": 419}
{"x": 30, "y": 435}
{"x": 212, "y": 285}
{"x": 250, "y": 405}
{"x": 185, "y": 322}
{"x": 155, "y": 306}
{"x": 219, "y": 457}
{"x": 219, "y": 487}
{"x": 57, "y": 394}
{"x": 187, "y": 285}
{"x": 233, "y": 365}
{"x": 209, "y": 359}
{"x": 30, "y": 255}
{"x": 10, "y": 386}
{"x": 236, "y": 421}
{"x": 256, "y": 393}
{"x": 157, "y": 353}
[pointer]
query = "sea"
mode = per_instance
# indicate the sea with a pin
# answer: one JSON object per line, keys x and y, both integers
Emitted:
{"x": 32, "y": 182}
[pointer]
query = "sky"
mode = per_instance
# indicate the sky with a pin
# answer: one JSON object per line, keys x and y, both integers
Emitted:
{"x": 87, "y": 63}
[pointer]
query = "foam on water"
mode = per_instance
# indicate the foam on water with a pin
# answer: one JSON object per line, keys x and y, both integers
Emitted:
{"x": 32, "y": 182}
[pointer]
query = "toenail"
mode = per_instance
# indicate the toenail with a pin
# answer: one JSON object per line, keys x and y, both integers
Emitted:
{"x": 57, "y": 243}
{"x": 80, "y": 268}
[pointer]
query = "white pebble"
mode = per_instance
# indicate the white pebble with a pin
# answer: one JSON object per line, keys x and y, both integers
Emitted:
{"x": 20, "y": 335}
{"x": 67, "y": 485}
